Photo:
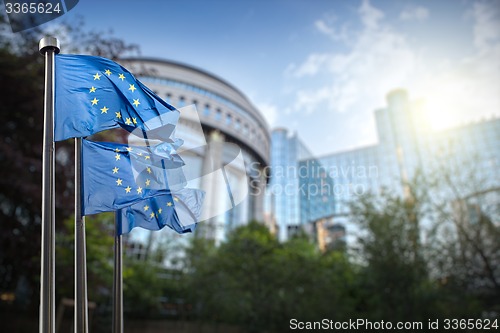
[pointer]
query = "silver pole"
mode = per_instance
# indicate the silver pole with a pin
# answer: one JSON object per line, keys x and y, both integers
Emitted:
{"x": 48, "y": 46}
{"x": 81, "y": 302}
{"x": 118, "y": 278}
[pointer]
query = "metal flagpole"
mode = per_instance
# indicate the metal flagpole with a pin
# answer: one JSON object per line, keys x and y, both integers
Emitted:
{"x": 118, "y": 278}
{"x": 48, "y": 46}
{"x": 81, "y": 302}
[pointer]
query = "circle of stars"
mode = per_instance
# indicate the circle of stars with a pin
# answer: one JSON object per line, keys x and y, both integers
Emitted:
{"x": 129, "y": 121}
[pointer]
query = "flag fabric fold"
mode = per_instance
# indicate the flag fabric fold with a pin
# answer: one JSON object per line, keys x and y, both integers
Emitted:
{"x": 93, "y": 94}
{"x": 180, "y": 212}
{"x": 117, "y": 175}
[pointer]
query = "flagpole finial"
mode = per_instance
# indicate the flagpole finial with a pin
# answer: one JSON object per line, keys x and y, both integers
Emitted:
{"x": 47, "y": 43}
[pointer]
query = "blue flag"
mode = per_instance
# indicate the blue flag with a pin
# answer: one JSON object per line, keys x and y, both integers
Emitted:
{"x": 180, "y": 211}
{"x": 117, "y": 175}
{"x": 93, "y": 94}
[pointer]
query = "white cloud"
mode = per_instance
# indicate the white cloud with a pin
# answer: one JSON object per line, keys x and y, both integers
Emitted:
{"x": 324, "y": 28}
{"x": 352, "y": 83}
{"x": 311, "y": 66}
{"x": 487, "y": 24}
{"x": 327, "y": 27}
{"x": 414, "y": 13}
{"x": 370, "y": 16}
{"x": 368, "y": 70}
{"x": 307, "y": 101}
{"x": 270, "y": 113}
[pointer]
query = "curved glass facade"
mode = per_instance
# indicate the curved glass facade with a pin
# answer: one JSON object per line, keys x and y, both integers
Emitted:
{"x": 197, "y": 90}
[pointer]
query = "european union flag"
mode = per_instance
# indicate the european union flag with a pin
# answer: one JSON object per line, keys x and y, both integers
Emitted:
{"x": 117, "y": 175}
{"x": 180, "y": 211}
{"x": 93, "y": 94}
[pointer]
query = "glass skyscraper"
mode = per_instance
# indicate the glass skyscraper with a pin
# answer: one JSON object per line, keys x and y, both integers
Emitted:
{"x": 315, "y": 192}
{"x": 282, "y": 194}
{"x": 406, "y": 144}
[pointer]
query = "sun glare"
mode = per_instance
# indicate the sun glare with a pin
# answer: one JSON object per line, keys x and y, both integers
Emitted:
{"x": 445, "y": 105}
{"x": 440, "y": 112}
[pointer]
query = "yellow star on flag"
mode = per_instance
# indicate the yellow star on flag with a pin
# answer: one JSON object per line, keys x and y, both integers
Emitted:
{"x": 148, "y": 169}
{"x": 121, "y": 76}
{"x": 115, "y": 170}
{"x": 107, "y": 72}
{"x": 127, "y": 189}
{"x": 152, "y": 215}
{"x": 147, "y": 157}
{"x": 132, "y": 88}
{"x": 93, "y": 89}
{"x": 94, "y": 101}
{"x": 134, "y": 120}
{"x": 104, "y": 110}
{"x": 128, "y": 121}
{"x": 136, "y": 102}
{"x": 129, "y": 149}
{"x": 97, "y": 76}
{"x": 117, "y": 150}
{"x": 159, "y": 211}
{"x": 117, "y": 157}
{"x": 146, "y": 208}
{"x": 119, "y": 182}
{"x": 169, "y": 204}
{"x": 147, "y": 182}
{"x": 139, "y": 190}
{"x": 176, "y": 199}
{"x": 118, "y": 115}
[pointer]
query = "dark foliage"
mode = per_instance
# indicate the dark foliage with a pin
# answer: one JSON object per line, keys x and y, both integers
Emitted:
{"x": 21, "y": 133}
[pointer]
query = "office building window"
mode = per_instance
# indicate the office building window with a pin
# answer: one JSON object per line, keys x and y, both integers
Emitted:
{"x": 182, "y": 102}
{"x": 218, "y": 114}
{"x": 206, "y": 110}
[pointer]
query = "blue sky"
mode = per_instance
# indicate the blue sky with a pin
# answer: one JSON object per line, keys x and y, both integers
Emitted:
{"x": 321, "y": 68}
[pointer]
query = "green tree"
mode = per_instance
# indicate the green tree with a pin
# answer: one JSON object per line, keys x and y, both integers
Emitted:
{"x": 155, "y": 282}
{"x": 425, "y": 255}
{"x": 142, "y": 288}
{"x": 394, "y": 279}
{"x": 253, "y": 281}
{"x": 464, "y": 243}
{"x": 234, "y": 284}
{"x": 99, "y": 231}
